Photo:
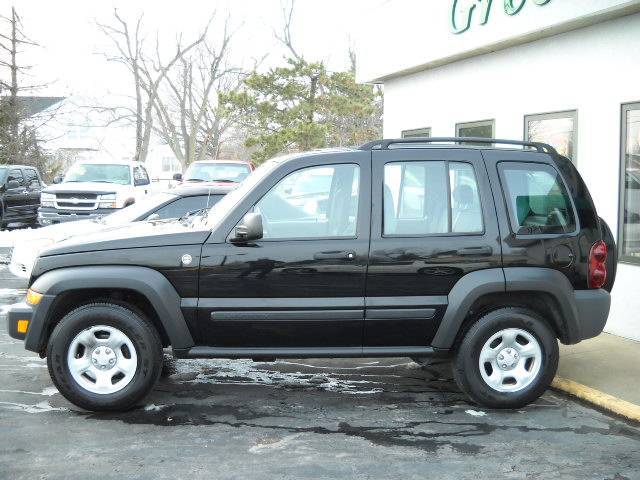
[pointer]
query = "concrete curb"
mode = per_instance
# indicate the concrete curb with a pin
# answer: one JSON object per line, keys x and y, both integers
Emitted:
{"x": 596, "y": 397}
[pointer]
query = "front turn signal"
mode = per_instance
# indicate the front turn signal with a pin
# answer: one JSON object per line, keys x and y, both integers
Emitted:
{"x": 33, "y": 297}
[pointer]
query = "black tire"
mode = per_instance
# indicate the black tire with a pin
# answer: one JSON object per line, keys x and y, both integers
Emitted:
{"x": 466, "y": 369}
{"x": 134, "y": 325}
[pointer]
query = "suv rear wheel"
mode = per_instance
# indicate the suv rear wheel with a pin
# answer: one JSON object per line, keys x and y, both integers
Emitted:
{"x": 507, "y": 359}
{"x": 103, "y": 356}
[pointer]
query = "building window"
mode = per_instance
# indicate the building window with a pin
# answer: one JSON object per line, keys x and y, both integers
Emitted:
{"x": 480, "y": 129}
{"x": 629, "y": 223}
{"x": 417, "y": 132}
{"x": 557, "y": 129}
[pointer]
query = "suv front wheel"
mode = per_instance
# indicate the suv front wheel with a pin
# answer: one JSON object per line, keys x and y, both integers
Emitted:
{"x": 104, "y": 356}
{"x": 507, "y": 359}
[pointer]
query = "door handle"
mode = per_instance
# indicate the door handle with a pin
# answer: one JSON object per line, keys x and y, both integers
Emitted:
{"x": 335, "y": 255}
{"x": 483, "y": 251}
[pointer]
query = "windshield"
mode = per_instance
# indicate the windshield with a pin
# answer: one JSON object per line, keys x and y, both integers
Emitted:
{"x": 99, "y": 172}
{"x": 220, "y": 172}
{"x": 139, "y": 210}
{"x": 221, "y": 209}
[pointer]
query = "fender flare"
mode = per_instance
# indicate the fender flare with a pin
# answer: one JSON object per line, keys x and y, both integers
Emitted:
{"x": 148, "y": 282}
{"x": 504, "y": 280}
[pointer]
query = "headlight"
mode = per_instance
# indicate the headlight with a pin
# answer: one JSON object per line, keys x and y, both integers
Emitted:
{"x": 111, "y": 203}
{"x": 47, "y": 200}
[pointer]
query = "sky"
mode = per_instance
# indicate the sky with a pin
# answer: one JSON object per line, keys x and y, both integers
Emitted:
{"x": 71, "y": 57}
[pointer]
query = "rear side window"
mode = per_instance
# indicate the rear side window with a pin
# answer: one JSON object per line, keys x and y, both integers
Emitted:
{"x": 430, "y": 198}
{"x": 537, "y": 199}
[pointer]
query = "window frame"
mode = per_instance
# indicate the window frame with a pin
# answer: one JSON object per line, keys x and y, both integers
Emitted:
{"x": 478, "y": 123}
{"x": 573, "y": 114}
{"x": 624, "y": 108}
{"x": 512, "y": 218}
{"x": 416, "y": 132}
{"x": 479, "y": 233}
{"x": 310, "y": 239}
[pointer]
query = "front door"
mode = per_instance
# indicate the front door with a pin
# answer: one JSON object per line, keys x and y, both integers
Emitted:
{"x": 433, "y": 222}
{"x": 16, "y": 199}
{"x": 302, "y": 285}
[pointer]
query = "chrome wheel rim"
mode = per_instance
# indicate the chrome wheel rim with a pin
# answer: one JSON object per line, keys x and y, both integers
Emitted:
{"x": 510, "y": 360}
{"x": 102, "y": 359}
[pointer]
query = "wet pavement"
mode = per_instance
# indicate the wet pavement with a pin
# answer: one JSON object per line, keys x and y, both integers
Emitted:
{"x": 363, "y": 418}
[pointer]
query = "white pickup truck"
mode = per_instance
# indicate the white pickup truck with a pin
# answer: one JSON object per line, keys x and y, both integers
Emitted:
{"x": 91, "y": 189}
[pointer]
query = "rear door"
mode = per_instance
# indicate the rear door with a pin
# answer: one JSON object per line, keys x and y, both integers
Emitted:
{"x": 433, "y": 221}
{"x": 302, "y": 285}
{"x": 33, "y": 188}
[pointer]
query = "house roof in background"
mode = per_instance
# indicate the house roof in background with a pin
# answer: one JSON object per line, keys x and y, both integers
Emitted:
{"x": 32, "y": 105}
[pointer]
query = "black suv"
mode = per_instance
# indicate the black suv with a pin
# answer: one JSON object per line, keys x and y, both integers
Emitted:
{"x": 410, "y": 247}
{"x": 20, "y": 187}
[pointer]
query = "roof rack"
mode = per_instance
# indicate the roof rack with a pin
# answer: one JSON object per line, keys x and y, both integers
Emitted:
{"x": 384, "y": 144}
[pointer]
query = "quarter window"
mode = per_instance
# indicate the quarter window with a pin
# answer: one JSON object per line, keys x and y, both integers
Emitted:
{"x": 630, "y": 215}
{"x": 537, "y": 199}
{"x": 430, "y": 198}
{"x": 315, "y": 202}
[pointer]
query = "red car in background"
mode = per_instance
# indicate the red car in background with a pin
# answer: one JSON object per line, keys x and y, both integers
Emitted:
{"x": 215, "y": 172}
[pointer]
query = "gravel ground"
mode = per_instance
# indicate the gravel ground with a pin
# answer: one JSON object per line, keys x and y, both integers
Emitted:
{"x": 364, "y": 418}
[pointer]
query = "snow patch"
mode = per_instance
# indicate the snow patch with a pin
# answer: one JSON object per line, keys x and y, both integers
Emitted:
{"x": 47, "y": 392}
{"x": 8, "y": 238}
{"x": 476, "y": 413}
{"x": 269, "y": 444}
{"x": 152, "y": 407}
{"x": 37, "y": 408}
{"x": 246, "y": 372}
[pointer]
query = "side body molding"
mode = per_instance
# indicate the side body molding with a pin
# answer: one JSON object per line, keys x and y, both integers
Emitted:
{"x": 146, "y": 281}
{"x": 466, "y": 291}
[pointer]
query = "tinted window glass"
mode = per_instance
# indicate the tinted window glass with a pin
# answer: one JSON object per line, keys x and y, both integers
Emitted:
{"x": 418, "y": 201}
{"x": 31, "y": 177}
{"x": 185, "y": 205}
{"x": 16, "y": 175}
{"x": 140, "y": 176}
{"x": 538, "y": 201}
{"x": 313, "y": 202}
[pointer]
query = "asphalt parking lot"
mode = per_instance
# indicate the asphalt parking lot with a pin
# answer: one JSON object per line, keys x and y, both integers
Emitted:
{"x": 366, "y": 418}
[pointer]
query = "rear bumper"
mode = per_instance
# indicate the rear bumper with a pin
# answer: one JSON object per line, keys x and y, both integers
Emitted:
{"x": 17, "y": 313}
{"x": 592, "y": 311}
{"x": 51, "y": 216}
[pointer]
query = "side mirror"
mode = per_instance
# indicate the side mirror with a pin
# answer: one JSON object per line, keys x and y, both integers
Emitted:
{"x": 57, "y": 179}
{"x": 13, "y": 184}
{"x": 177, "y": 177}
{"x": 249, "y": 229}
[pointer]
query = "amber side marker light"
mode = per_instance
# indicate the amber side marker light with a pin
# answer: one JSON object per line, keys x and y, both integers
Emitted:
{"x": 23, "y": 326}
{"x": 33, "y": 297}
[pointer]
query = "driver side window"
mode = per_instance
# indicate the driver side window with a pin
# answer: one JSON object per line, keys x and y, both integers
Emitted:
{"x": 315, "y": 202}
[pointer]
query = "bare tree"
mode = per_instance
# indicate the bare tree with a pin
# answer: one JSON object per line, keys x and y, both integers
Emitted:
{"x": 147, "y": 75}
{"x": 19, "y": 120}
{"x": 189, "y": 117}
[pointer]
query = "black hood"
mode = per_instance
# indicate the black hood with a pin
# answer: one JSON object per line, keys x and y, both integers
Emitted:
{"x": 132, "y": 235}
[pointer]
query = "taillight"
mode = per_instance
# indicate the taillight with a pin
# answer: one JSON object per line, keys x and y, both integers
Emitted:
{"x": 597, "y": 266}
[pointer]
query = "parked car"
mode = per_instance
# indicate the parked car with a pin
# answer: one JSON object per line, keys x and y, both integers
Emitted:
{"x": 92, "y": 189}
{"x": 20, "y": 187}
{"x": 503, "y": 257}
{"x": 174, "y": 203}
{"x": 215, "y": 172}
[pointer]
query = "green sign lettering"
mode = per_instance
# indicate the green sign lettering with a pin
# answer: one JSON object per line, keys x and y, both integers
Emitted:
{"x": 463, "y": 11}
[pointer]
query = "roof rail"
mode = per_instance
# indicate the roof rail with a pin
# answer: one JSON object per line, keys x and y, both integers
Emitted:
{"x": 384, "y": 144}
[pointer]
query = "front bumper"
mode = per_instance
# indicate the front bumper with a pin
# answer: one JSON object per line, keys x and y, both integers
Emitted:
{"x": 51, "y": 216}
{"x": 18, "y": 313}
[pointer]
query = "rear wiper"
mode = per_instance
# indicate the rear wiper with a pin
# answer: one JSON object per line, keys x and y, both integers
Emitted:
{"x": 195, "y": 180}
